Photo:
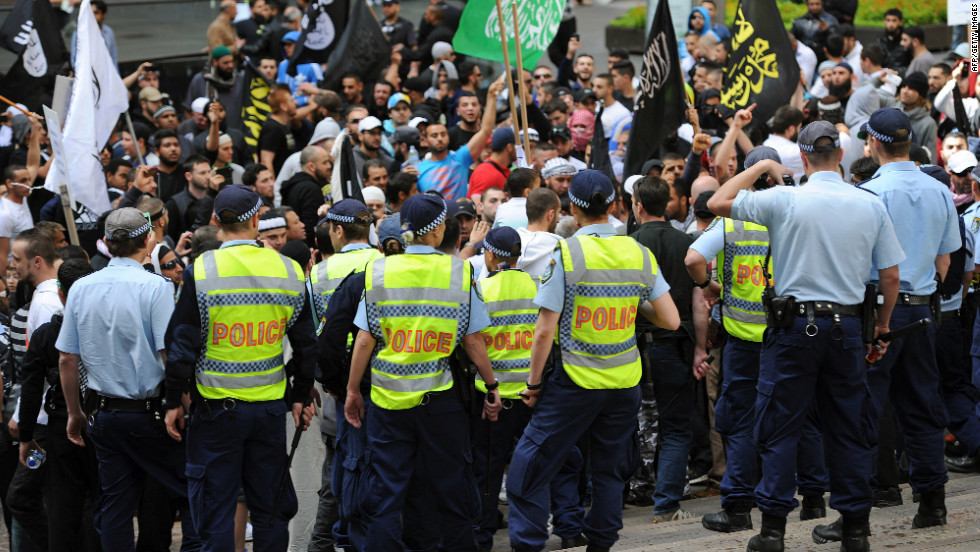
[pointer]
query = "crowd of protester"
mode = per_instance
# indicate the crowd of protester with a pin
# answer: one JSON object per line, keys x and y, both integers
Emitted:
{"x": 431, "y": 121}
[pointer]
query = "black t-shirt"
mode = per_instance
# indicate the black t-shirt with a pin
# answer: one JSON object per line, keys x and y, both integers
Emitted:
{"x": 278, "y": 139}
{"x": 169, "y": 185}
{"x": 400, "y": 32}
{"x": 458, "y": 137}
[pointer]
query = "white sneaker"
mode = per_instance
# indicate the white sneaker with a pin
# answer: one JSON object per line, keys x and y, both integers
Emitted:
{"x": 248, "y": 532}
{"x": 502, "y": 497}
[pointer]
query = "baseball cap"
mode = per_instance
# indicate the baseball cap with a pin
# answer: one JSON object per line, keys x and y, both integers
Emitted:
{"x": 562, "y": 91}
{"x": 391, "y": 229}
{"x": 128, "y": 219}
{"x": 503, "y": 241}
{"x": 373, "y": 193}
{"x": 406, "y": 135}
{"x": 290, "y": 38}
{"x": 199, "y": 105}
{"x": 151, "y": 94}
{"x": 532, "y": 136}
{"x": 760, "y": 153}
{"x": 416, "y": 121}
{"x": 588, "y": 183}
{"x": 423, "y": 213}
{"x": 441, "y": 49}
{"x": 810, "y": 134}
{"x": 368, "y": 123}
{"x": 961, "y": 161}
{"x": 466, "y": 208}
{"x": 398, "y": 97}
{"x": 585, "y": 94}
{"x": 346, "y": 210}
{"x": 391, "y": 2}
{"x": 885, "y": 123}
{"x": 417, "y": 84}
{"x": 962, "y": 50}
{"x": 561, "y": 131}
{"x": 241, "y": 200}
{"x": 631, "y": 183}
{"x": 501, "y": 137}
{"x": 936, "y": 172}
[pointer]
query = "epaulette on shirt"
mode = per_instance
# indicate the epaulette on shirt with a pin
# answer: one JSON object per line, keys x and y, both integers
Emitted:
{"x": 860, "y": 185}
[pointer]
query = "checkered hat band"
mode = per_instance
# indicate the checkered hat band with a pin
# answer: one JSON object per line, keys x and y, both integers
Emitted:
{"x": 810, "y": 148}
{"x": 251, "y": 212}
{"x": 340, "y": 218}
{"x": 585, "y": 204}
{"x": 496, "y": 250}
{"x": 434, "y": 224}
{"x": 878, "y": 135}
{"x": 135, "y": 233}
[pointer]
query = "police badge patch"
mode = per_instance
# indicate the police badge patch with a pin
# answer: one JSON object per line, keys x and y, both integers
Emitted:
{"x": 975, "y": 225}
{"x": 548, "y": 271}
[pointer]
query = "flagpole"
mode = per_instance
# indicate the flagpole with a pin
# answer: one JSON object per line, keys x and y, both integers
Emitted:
{"x": 12, "y": 104}
{"x": 510, "y": 81}
{"x": 69, "y": 215}
{"x": 520, "y": 81}
{"x": 132, "y": 136}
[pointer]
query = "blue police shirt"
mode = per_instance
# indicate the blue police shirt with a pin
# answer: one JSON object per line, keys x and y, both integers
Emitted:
{"x": 825, "y": 237}
{"x": 956, "y": 300}
{"x": 924, "y": 218}
{"x": 551, "y": 293}
{"x": 116, "y": 320}
{"x": 711, "y": 241}
{"x": 971, "y": 218}
{"x": 479, "y": 318}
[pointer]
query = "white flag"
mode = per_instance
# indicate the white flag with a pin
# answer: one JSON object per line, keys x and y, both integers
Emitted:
{"x": 97, "y": 99}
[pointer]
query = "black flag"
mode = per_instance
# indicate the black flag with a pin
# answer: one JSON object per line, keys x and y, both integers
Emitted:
{"x": 350, "y": 181}
{"x": 362, "y": 49}
{"x": 659, "y": 108}
{"x": 323, "y": 23}
{"x": 762, "y": 67}
{"x": 30, "y": 31}
{"x": 599, "y": 160}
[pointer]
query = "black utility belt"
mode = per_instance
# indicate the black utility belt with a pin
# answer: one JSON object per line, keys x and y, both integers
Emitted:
{"x": 908, "y": 300}
{"x": 826, "y": 308}
{"x": 113, "y": 404}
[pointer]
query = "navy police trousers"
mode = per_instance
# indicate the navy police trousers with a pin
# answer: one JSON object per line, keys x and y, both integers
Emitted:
{"x": 909, "y": 375}
{"x": 564, "y": 413}
{"x": 241, "y": 445}
{"x": 796, "y": 370}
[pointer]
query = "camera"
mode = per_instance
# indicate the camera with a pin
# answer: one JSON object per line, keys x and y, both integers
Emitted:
{"x": 788, "y": 180}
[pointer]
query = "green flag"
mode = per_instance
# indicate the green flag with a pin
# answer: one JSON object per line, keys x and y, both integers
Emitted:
{"x": 479, "y": 31}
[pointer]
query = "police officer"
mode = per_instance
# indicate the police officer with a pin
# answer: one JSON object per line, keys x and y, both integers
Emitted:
{"x": 597, "y": 284}
{"x": 349, "y": 221}
{"x": 825, "y": 237}
{"x": 225, "y": 341}
{"x": 115, "y": 322}
{"x": 926, "y": 223}
{"x": 416, "y": 308}
{"x": 509, "y": 296}
{"x": 741, "y": 248}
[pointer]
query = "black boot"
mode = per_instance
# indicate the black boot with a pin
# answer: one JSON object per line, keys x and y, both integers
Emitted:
{"x": 932, "y": 509}
{"x": 814, "y": 507}
{"x": 887, "y": 497}
{"x": 574, "y": 542}
{"x": 728, "y": 520}
{"x": 770, "y": 538}
{"x": 854, "y": 532}
{"x": 822, "y": 534}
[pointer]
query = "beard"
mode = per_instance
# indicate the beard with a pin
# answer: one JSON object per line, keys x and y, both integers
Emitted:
{"x": 840, "y": 90}
{"x": 224, "y": 75}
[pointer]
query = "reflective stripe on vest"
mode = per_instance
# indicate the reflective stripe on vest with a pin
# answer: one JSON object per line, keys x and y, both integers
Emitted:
{"x": 327, "y": 275}
{"x": 418, "y": 308}
{"x": 509, "y": 297}
{"x": 248, "y": 297}
{"x": 741, "y": 262}
{"x": 604, "y": 281}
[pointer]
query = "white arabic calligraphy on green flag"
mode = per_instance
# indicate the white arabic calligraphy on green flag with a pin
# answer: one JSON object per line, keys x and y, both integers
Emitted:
{"x": 479, "y": 31}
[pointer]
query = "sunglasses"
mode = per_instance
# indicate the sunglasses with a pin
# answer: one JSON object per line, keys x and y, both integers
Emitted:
{"x": 543, "y": 76}
{"x": 170, "y": 265}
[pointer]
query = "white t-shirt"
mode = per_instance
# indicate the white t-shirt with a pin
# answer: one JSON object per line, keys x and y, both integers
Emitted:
{"x": 14, "y": 218}
{"x": 613, "y": 114}
{"x": 536, "y": 250}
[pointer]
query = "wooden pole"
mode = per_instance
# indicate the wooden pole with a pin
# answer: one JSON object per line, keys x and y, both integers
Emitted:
{"x": 510, "y": 82}
{"x": 15, "y": 106}
{"x": 520, "y": 83}
{"x": 69, "y": 215}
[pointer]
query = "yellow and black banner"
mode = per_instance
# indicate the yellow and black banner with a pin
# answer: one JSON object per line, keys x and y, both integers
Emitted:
{"x": 762, "y": 67}
{"x": 255, "y": 103}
